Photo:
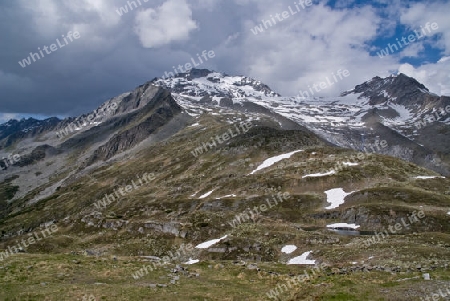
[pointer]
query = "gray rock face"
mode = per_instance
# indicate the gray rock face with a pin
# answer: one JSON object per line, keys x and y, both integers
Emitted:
{"x": 217, "y": 250}
{"x": 226, "y": 102}
{"x": 172, "y": 228}
{"x": 156, "y": 113}
{"x": 38, "y": 154}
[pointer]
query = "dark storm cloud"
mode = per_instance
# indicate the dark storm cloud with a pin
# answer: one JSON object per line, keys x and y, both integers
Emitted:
{"x": 116, "y": 53}
{"x": 106, "y": 60}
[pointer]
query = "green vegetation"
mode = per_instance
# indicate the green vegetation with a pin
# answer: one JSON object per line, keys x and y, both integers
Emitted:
{"x": 157, "y": 218}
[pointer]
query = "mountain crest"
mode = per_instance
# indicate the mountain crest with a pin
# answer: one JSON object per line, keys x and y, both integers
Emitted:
{"x": 204, "y": 82}
{"x": 398, "y": 89}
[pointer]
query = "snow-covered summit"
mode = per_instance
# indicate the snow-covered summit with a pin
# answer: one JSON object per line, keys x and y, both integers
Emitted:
{"x": 397, "y": 101}
{"x": 203, "y": 82}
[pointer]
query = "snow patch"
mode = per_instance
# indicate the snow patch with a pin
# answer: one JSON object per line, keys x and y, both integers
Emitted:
{"x": 403, "y": 112}
{"x": 336, "y": 197}
{"x": 192, "y": 261}
{"x": 226, "y": 196}
{"x": 209, "y": 243}
{"x": 349, "y": 164}
{"x": 288, "y": 249}
{"x": 343, "y": 225}
{"x": 271, "y": 161}
{"x": 314, "y": 175}
{"x": 206, "y": 194}
{"x": 302, "y": 259}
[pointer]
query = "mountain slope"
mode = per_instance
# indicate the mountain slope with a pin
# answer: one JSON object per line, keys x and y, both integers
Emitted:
{"x": 50, "y": 158}
{"x": 229, "y": 166}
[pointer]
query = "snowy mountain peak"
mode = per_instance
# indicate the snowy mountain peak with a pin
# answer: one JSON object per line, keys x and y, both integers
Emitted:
{"x": 203, "y": 82}
{"x": 393, "y": 80}
{"x": 398, "y": 89}
{"x": 391, "y": 106}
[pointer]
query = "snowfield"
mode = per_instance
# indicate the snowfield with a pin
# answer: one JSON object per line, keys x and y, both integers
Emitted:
{"x": 336, "y": 197}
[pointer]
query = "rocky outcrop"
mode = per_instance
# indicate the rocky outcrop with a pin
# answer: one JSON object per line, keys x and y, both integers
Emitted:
{"x": 226, "y": 102}
{"x": 402, "y": 89}
{"x": 38, "y": 154}
{"x": 170, "y": 227}
{"x": 139, "y": 125}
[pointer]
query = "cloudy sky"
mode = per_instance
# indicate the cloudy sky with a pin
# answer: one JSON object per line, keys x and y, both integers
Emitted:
{"x": 116, "y": 45}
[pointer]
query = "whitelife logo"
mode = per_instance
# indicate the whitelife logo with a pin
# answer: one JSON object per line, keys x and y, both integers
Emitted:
{"x": 34, "y": 237}
{"x": 265, "y": 24}
{"x": 188, "y": 66}
{"x": 254, "y": 213}
{"x": 53, "y": 47}
{"x": 85, "y": 121}
{"x": 411, "y": 38}
{"x": 398, "y": 227}
{"x": 124, "y": 9}
{"x": 12, "y": 159}
{"x": 108, "y": 199}
{"x": 319, "y": 86}
{"x": 436, "y": 296}
{"x": 429, "y": 119}
{"x": 245, "y": 126}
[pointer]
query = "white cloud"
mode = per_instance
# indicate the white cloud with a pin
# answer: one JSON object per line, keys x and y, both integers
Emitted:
{"x": 302, "y": 50}
{"x": 413, "y": 50}
{"x": 45, "y": 15}
{"x": 50, "y": 16}
{"x": 5, "y": 117}
{"x": 308, "y": 47}
{"x": 172, "y": 21}
{"x": 419, "y": 14}
{"x": 91, "y": 18}
{"x": 435, "y": 77}
{"x": 316, "y": 42}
